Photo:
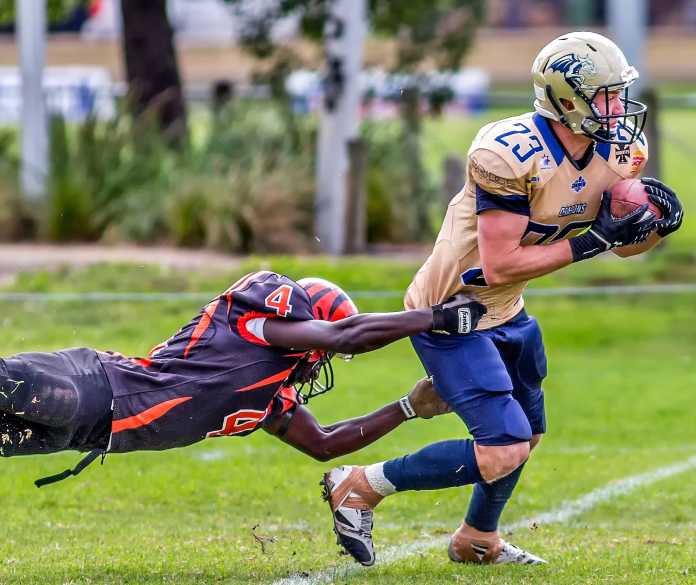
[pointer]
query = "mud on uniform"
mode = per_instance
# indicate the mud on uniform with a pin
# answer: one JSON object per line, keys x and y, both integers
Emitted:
{"x": 53, "y": 401}
{"x": 492, "y": 377}
{"x": 216, "y": 376}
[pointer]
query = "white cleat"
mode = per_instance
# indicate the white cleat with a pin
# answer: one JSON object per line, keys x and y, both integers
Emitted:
{"x": 466, "y": 547}
{"x": 352, "y": 515}
{"x": 514, "y": 555}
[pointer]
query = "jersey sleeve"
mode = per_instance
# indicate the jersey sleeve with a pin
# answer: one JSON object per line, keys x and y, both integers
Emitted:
{"x": 498, "y": 185}
{"x": 639, "y": 155}
{"x": 272, "y": 295}
{"x": 628, "y": 161}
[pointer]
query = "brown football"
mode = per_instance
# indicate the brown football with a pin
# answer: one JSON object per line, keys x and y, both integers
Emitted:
{"x": 628, "y": 195}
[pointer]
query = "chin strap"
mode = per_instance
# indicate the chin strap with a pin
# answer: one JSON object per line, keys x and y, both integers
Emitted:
{"x": 84, "y": 462}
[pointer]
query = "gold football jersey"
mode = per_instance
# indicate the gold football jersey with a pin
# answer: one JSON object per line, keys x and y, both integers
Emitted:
{"x": 518, "y": 165}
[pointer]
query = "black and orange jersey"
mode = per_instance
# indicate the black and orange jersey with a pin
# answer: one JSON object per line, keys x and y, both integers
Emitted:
{"x": 216, "y": 376}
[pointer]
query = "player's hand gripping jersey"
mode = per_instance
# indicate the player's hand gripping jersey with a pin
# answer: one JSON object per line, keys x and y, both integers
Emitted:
{"x": 518, "y": 165}
{"x": 217, "y": 376}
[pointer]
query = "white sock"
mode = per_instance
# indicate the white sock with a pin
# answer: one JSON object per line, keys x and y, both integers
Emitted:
{"x": 375, "y": 477}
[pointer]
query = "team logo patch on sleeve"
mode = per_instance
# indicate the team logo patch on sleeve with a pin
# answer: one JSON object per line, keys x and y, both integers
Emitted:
{"x": 623, "y": 154}
{"x": 488, "y": 178}
{"x": 637, "y": 161}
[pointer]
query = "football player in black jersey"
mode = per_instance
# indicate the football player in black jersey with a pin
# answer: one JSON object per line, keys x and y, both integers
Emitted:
{"x": 250, "y": 359}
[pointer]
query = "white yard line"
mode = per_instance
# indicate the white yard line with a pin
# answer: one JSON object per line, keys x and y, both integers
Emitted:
{"x": 559, "y": 515}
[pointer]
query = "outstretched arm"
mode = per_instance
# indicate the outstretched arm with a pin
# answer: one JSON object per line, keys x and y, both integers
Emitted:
{"x": 353, "y": 335}
{"x": 369, "y": 331}
{"x": 323, "y": 443}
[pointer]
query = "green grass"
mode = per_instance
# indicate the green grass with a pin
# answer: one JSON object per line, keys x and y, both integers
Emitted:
{"x": 673, "y": 263}
{"x": 619, "y": 400}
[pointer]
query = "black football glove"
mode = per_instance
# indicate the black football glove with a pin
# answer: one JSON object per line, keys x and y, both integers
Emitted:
{"x": 609, "y": 232}
{"x": 458, "y": 314}
{"x": 668, "y": 202}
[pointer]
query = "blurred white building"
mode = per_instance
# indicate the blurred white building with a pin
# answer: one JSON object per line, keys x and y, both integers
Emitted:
{"x": 75, "y": 93}
{"x": 467, "y": 90}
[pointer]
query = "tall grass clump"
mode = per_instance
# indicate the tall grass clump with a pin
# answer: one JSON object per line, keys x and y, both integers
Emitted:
{"x": 245, "y": 186}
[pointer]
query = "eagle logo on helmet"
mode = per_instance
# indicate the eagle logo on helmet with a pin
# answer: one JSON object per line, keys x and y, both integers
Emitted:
{"x": 574, "y": 68}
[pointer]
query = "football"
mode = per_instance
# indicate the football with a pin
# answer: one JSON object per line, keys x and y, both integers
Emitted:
{"x": 628, "y": 195}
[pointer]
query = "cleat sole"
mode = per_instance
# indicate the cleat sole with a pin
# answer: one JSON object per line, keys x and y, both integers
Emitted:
{"x": 327, "y": 490}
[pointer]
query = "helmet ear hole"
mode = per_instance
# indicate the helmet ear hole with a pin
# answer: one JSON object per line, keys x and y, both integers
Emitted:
{"x": 567, "y": 104}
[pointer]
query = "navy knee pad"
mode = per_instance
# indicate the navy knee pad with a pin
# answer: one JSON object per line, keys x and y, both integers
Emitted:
{"x": 496, "y": 418}
{"x": 516, "y": 425}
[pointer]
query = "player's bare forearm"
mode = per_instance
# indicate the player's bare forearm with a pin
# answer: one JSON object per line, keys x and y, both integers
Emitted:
{"x": 327, "y": 442}
{"x": 362, "y": 333}
{"x": 526, "y": 262}
{"x": 503, "y": 257}
{"x": 356, "y": 334}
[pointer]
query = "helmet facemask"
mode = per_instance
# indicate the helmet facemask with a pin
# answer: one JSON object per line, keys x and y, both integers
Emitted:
{"x": 603, "y": 127}
{"x": 313, "y": 375}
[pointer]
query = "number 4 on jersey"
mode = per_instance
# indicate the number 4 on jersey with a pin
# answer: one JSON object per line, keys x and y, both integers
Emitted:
{"x": 279, "y": 300}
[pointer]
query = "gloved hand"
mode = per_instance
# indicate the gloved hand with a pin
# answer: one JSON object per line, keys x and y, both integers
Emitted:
{"x": 668, "y": 202}
{"x": 425, "y": 401}
{"x": 609, "y": 232}
{"x": 459, "y": 314}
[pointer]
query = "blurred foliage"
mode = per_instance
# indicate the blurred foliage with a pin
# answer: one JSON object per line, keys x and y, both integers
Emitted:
{"x": 13, "y": 214}
{"x": 435, "y": 30}
{"x": 55, "y": 9}
{"x": 95, "y": 168}
{"x": 391, "y": 213}
{"x": 246, "y": 185}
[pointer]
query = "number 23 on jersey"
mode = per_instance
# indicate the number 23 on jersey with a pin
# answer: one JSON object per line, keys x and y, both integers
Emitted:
{"x": 532, "y": 142}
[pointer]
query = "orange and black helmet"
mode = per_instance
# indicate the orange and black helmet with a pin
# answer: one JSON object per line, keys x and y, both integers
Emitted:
{"x": 329, "y": 303}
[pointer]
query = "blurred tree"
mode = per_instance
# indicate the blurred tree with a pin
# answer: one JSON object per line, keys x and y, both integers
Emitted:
{"x": 439, "y": 32}
{"x": 152, "y": 71}
{"x": 150, "y": 59}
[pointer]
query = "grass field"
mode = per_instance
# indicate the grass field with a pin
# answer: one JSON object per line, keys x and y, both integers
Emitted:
{"x": 620, "y": 402}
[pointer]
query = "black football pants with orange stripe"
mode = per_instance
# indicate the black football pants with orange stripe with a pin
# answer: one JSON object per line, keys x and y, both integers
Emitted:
{"x": 52, "y": 402}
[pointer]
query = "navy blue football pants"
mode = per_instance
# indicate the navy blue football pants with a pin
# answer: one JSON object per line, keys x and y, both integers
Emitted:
{"x": 491, "y": 378}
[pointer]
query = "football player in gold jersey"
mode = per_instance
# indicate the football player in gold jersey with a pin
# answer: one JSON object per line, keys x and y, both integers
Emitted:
{"x": 536, "y": 199}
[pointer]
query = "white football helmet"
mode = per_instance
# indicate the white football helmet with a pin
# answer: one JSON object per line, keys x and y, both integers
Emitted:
{"x": 571, "y": 71}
